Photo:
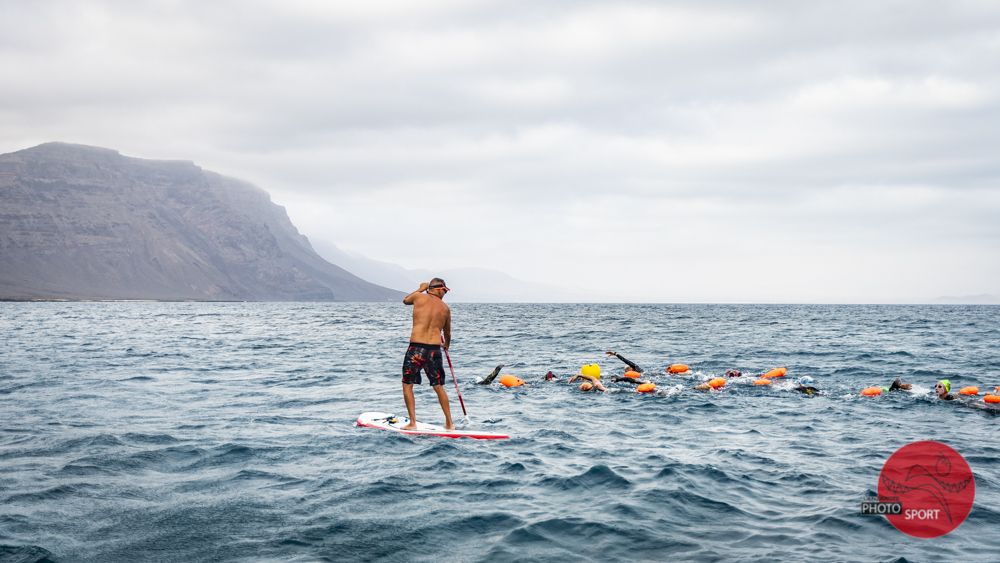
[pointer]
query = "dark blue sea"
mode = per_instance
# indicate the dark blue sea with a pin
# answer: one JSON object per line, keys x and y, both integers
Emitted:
{"x": 224, "y": 432}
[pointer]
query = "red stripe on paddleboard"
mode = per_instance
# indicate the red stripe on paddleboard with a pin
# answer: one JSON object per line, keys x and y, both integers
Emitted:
{"x": 441, "y": 434}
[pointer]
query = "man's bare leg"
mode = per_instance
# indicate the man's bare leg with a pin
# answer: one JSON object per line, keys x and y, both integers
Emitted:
{"x": 443, "y": 399}
{"x": 411, "y": 409}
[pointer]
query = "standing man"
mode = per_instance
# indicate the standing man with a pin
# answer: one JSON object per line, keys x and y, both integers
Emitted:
{"x": 430, "y": 317}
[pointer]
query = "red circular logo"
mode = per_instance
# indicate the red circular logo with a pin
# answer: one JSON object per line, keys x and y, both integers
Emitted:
{"x": 934, "y": 485}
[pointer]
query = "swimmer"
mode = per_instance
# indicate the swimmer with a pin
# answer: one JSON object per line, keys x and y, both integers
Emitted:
{"x": 627, "y": 362}
{"x": 489, "y": 378}
{"x": 943, "y": 390}
{"x": 549, "y": 376}
{"x": 712, "y": 384}
{"x": 629, "y": 380}
{"x": 734, "y": 373}
{"x": 590, "y": 384}
{"x": 805, "y": 386}
{"x": 897, "y": 384}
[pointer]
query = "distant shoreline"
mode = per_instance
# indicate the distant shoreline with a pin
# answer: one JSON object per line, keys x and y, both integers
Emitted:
{"x": 67, "y": 300}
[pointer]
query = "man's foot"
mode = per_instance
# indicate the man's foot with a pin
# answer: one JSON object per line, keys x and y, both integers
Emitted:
{"x": 410, "y": 426}
{"x": 449, "y": 426}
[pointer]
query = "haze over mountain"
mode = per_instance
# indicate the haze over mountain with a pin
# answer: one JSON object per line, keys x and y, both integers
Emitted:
{"x": 80, "y": 222}
{"x": 467, "y": 284}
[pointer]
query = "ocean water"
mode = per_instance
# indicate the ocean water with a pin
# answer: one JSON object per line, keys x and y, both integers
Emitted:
{"x": 224, "y": 432}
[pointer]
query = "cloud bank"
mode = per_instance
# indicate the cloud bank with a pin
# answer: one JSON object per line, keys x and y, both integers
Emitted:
{"x": 632, "y": 151}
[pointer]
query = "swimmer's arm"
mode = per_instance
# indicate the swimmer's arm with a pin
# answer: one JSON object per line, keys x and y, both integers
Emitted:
{"x": 598, "y": 386}
{"x": 624, "y": 359}
{"x": 412, "y": 297}
{"x": 489, "y": 378}
{"x": 620, "y": 379}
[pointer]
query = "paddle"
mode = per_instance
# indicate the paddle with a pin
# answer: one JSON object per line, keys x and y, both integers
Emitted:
{"x": 454, "y": 379}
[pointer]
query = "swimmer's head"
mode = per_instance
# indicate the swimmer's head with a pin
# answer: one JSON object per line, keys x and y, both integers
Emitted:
{"x": 806, "y": 381}
{"x": 586, "y": 386}
{"x": 944, "y": 385}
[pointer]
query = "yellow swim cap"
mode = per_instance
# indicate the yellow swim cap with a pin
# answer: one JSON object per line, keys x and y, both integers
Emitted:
{"x": 591, "y": 370}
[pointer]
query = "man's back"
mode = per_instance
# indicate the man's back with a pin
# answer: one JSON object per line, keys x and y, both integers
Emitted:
{"x": 430, "y": 314}
{"x": 430, "y": 317}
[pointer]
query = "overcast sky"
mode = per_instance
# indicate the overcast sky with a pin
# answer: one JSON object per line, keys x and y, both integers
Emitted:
{"x": 635, "y": 151}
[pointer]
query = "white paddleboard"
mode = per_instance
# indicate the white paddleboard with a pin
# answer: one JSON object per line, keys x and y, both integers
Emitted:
{"x": 386, "y": 421}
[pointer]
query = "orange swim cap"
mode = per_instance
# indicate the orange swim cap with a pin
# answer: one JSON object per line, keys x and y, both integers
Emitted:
{"x": 586, "y": 386}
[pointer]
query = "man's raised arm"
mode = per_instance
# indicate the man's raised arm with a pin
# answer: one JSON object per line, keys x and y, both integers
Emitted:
{"x": 409, "y": 299}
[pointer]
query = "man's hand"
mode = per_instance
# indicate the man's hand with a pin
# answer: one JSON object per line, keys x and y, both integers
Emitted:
{"x": 610, "y": 353}
{"x": 423, "y": 287}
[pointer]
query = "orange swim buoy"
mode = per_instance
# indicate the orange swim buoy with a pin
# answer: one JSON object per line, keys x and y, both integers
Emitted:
{"x": 632, "y": 374}
{"x": 970, "y": 390}
{"x": 871, "y": 391}
{"x": 776, "y": 372}
{"x": 646, "y": 388}
{"x": 678, "y": 368}
{"x": 717, "y": 383}
{"x": 993, "y": 399}
{"x": 508, "y": 380}
{"x": 763, "y": 381}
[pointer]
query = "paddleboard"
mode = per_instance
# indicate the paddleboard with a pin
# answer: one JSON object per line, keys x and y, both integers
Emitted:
{"x": 393, "y": 423}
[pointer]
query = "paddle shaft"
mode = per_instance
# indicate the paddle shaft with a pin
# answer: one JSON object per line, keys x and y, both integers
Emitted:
{"x": 453, "y": 378}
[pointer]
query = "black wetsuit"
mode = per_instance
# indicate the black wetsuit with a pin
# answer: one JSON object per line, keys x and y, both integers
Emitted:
{"x": 629, "y": 380}
{"x": 627, "y": 362}
{"x": 807, "y": 389}
{"x": 489, "y": 378}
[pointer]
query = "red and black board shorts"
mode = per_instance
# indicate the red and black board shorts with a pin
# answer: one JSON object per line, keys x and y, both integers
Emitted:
{"x": 426, "y": 357}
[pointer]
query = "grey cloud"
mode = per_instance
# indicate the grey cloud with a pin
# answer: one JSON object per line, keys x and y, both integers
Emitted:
{"x": 723, "y": 108}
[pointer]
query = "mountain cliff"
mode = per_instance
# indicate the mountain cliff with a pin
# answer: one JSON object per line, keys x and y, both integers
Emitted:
{"x": 79, "y": 222}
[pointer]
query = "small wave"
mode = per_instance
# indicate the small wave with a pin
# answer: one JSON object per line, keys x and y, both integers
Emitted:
{"x": 58, "y": 492}
{"x": 166, "y": 460}
{"x": 14, "y": 388}
{"x": 258, "y": 475}
{"x": 438, "y": 448}
{"x": 480, "y": 524}
{"x": 598, "y": 476}
{"x": 25, "y": 554}
{"x": 138, "y": 378}
{"x": 90, "y": 441}
{"x": 138, "y": 437}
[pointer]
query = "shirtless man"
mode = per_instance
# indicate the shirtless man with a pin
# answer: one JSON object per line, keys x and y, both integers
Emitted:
{"x": 430, "y": 317}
